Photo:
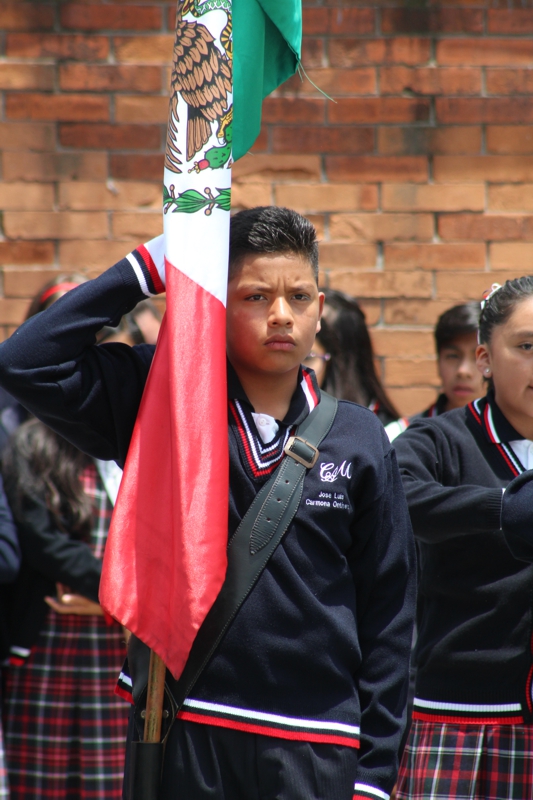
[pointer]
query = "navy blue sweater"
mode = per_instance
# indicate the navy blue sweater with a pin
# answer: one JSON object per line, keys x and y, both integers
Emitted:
{"x": 475, "y": 619}
{"x": 320, "y": 649}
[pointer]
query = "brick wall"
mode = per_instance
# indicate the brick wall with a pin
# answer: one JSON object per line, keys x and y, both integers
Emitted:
{"x": 419, "y": 177}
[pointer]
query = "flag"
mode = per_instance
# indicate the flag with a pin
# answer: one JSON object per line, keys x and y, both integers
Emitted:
{"x": 165, "y": 558}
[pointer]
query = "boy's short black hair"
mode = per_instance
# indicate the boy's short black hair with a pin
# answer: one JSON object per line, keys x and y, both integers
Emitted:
{"x": 456, "y": 321}
{"x": 271, "y": 229}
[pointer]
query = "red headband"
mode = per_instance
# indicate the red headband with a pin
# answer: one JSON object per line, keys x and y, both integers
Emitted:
{"x": 59, "y": 287}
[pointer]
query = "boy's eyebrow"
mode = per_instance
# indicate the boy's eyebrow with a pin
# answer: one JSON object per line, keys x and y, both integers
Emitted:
{"x": 258, "y": 285}
{"x": 523, "y": 334}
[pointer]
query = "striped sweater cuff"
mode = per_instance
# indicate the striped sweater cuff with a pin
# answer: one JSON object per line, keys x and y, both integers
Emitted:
{"x": 364, "y": 791}
{"x": 148, "y": 264}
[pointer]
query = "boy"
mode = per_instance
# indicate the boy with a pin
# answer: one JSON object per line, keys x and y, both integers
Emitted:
{"x": 456, "y": 342}
{"x": 305, "y": 695}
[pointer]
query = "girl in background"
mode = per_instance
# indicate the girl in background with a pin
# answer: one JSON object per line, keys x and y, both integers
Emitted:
{"x": 472, "y": 732}
{"x": 65, "y": 728}
{"x": 343, "y": 358}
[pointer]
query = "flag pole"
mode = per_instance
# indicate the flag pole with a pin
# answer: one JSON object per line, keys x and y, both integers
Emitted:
{"x": 154, "y": 698}
{"x": 146, "y": 756}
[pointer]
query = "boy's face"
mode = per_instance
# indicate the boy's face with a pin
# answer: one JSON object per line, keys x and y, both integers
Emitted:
{"x": 461, "y": 380}
{"x": 273, "y": 314}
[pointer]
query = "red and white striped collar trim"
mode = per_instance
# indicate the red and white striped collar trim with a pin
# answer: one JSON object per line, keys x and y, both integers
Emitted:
{"x": 481, "y": 410}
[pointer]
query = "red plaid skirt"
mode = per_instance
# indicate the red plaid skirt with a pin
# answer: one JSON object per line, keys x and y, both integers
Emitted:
{"x": 467, "y": 762}
{"x": 65, "y": 729}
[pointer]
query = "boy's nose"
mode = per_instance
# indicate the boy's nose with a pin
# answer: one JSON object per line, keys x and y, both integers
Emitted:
{"x": 280, "y": 312}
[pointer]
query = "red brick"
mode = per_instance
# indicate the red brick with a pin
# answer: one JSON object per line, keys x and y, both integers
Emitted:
{"x": 334, "y": 82}
{"x": 434, "y": 256}
{"x": 391, "y": 341}
{"x": 267, "y": 168}
{"x": 24, "y": 166}
{"x": 26, "y": 76}
{"x": 429, "y": 80}
{"x": 293, "y": 109}
{"x": 134, "y": 108}
{"x": 467, "y": 169}
{"x": 455, "y": 287}
{"x": 12, "y": 311}
{"x": 78, "y": 48}
{"x": 27, "y": 136}
{"x": 111, "y": 195}
{"x": 434, "y": 20}
{"x": 411, "y": 401}
{"x": 485, "y": 227}
{"x": 55, "y": 225}
{"x": 509, "y": 81}
{"x": 510, "y": 20}
{"x": 381, "y": 227}
{"x": 26, "y": 197}
{"x": 313, "y": 53}
{"x": 398, "y": 50}
{"x": 17, "y": 16}
{"x": 484, "y": 109}
{"x": 249, "y": 195}
{"x": 369, "y": 169}
{"x": 305, "y": 197}
{"x": 111, "y": 137}
{"x": 104, "y": 78}
{"x": 137, "y": 227}
{"x": 57, "y": 107}
{"x": 379, "y": 109}
{"x": 345, "y": 21}
{"x": 411, "y": 140}
{"x": 110, "y": 17}
{"x": 485, "y": 52}
{"x": 433, "y": 197}
{"x": 97, "y": 256}
{"x": 24, "y": 283}
{"x": 136, "y": 167}
{"x": 511, "y": 197}
{"x": 23, "y": 253}
{"x": 382, "y": 284}
{"x": 325, "y": 139}
{"x": 335, "y": 255}
{"x": 411, "y": 372}
{"x": 514, "y": 256}
{"x": 144, "y": 49}
{"x": 509, "y": 139}
{"x": 413, "y": 312}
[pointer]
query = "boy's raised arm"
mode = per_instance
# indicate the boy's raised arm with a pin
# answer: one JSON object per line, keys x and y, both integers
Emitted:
{"x": 53, "y": 366}
{"x": 384, "y": 568}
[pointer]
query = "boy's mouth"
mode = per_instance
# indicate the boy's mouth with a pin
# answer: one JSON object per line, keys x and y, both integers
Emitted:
{"x": 278, "y": 342}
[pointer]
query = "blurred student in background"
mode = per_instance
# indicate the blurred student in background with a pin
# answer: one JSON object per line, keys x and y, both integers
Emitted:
{"x": 456, "y": 342}
{"x": 343, "y": 358}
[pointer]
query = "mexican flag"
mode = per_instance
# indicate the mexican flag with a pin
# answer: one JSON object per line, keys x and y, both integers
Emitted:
{"x": 165, "y": 559}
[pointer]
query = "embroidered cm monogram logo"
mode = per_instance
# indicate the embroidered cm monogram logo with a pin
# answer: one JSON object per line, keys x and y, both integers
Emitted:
{"x": 329, "y": 472}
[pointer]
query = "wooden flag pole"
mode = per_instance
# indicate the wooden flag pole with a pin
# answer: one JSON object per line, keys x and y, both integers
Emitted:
{"x": 154, "y": 698}
{"x": 146, "y": 756}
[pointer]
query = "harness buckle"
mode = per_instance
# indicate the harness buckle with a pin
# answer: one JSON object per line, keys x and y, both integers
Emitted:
{"x": 307, "y": 455}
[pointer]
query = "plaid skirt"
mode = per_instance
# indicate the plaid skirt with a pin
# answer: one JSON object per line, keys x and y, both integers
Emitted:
{"x": 65, "y": 729}
{"x": 467, "y": 762}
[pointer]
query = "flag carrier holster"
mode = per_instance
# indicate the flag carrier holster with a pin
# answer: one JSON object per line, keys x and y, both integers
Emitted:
{"x": 157, "y": 695}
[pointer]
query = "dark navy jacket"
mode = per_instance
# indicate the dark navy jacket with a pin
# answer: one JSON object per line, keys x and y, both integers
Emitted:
{"x": 320, "y": 649}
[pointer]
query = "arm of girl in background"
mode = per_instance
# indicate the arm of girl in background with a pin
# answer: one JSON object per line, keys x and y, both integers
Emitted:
{"x": 9, "y": 545}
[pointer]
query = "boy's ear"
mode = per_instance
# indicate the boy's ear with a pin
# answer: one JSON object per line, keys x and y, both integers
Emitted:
{"x": 483, "y": 359}
{"x": 321, "y": 298}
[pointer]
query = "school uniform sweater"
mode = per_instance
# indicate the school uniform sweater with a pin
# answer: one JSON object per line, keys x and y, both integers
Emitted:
{"x": 474, "y": 657}
{"x": 319, "y": 650}
{"x": 517, "y": 516}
